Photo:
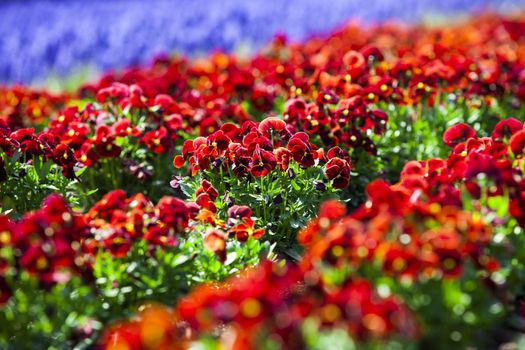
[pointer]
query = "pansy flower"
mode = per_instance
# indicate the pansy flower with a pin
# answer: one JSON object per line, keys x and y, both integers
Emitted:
{"x": 457, "y": 134}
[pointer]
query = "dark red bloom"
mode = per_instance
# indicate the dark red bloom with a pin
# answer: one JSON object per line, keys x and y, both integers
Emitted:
{"x": 337, "y": 170}
{"x": 207, "y": 187}
{"x": 105, "y": 142}
{"x": 301, "y": 149}
{"x": 3, "y": 172}
{"x": 262, "y": 162}
{"x": 239, "y": 212}
{"x": 173, "y": 212}
{"x": 337, "y": 152}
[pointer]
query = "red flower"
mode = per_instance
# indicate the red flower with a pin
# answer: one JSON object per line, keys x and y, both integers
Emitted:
{"x": 116, "y": 92}
{"x": 178, "y": 162}
{"x": 217, "y": 144}
{"x": 114, "y": 200}
{"x": 283, "y": 156}
{"x": 48, "y": 241}
{"x": 204, "y": 201}
{"x": 271, "y": 124}
{"x": 355, "y": 63}
{"x": 173, "y": 212}
{"x": 207, "y": 187}
{"x": 301, "y": 150}
{"x": 337, "y": 170}
{"x": 457, "y": 134}
{"x": 215, "y": 240}
{"x": 517, "y": 143}
{"x": 506, "y": 128}
{"x": 337, "y": 152}
{"x": 246, "y": 228}
{"x": 295, "y": 109}
{"x": 118, "y": 243}
{"x": 104, "y": 142}
{"x": 154, "y": 328}
{"x": 63, "y": 156}
{"x": 262, "y": 162}
{"x": 27, "y": 141}
{"x": 124, "y": 128}
{"x": 157, "y": 141}
{"x": 332, "y": 210}
{"x": 160, "y": 235}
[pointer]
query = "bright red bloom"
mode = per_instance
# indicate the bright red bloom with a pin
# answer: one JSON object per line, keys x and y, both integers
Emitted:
{"x": 457, "y": 134}
{"x": 271, "y": 124}
{"x": 123, "y": 128}
{"x": 157, "y": 141}
{"x": 154, "y": 328}
{"x": 506, "y": 128}
{"x": 517, "y": 143}
{"x": 355, "y": 63}
{"x": 204, "y": 201}
{"x": 283, "y": 157}
{"x": 115, "y": 92}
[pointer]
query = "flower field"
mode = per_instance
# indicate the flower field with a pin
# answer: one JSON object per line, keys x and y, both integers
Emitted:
{"x": 364, "y": 189}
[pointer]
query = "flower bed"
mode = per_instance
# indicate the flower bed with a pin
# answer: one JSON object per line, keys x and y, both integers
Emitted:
{"x": 363, "y": 189}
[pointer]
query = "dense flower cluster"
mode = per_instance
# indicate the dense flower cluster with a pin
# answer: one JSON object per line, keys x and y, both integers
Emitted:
{"x": 117, "y": 221}
{"x": 386, "y": 63}
{"x": 53, "y": 242}
{"x": 27, "y": 145}
{"x": 259, "y": 148}
{"x": 48, "y": 242}
{"x": 270, "y": 301}
{"x": 22, "y": 106}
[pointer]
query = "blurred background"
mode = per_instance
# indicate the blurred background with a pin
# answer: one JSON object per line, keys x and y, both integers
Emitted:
{"x": 44, "y": 41}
